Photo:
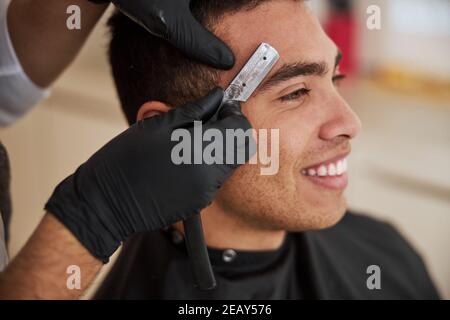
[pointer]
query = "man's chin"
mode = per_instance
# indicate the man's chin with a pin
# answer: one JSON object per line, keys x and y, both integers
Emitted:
{"x": 317, "y": 218}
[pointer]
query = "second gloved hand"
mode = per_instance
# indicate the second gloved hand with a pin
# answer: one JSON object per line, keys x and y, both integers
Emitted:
{"x": 131, "y": 184}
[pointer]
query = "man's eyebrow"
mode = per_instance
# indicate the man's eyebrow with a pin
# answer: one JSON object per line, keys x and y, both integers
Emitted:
{"x": 289, "y": 71}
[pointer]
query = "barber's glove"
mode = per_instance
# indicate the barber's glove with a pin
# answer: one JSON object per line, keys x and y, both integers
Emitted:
{"x": 173, "y": 21}
{"x": 132, "y": 183}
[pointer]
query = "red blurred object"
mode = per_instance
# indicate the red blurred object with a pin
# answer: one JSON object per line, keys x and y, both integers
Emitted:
{"x": 342, "y": 29}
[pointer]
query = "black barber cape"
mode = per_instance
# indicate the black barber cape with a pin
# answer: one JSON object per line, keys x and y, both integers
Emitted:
{"x": 327, "y": 264}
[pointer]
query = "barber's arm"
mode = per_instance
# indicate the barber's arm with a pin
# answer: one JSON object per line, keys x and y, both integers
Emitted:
{"x": 35, "y": 48}
{"x": 132, "y": 184}
{"x": 40, "y": 269}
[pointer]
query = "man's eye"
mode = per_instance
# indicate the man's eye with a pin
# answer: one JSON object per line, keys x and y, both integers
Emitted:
{"x": 300, "y": 93}
{"x": 338, "y": 78}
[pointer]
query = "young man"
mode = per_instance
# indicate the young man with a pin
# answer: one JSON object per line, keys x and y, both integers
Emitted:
{"x": 285, "y": 236}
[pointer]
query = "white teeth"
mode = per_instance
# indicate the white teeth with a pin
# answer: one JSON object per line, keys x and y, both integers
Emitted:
{"x": 322, "y": 171}
{"x": 331, "y": 169}
{"x": 339, "y": 168}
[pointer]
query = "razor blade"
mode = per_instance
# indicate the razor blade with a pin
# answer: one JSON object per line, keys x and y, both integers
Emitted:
{"x": 252, "y": 74}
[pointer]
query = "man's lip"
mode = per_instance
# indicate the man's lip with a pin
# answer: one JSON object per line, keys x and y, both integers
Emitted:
{"x": 328, "y": 161}
{"x": 338, "y": 182}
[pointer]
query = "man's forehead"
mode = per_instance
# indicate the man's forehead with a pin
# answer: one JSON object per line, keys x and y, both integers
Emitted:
{"x": 289, "y": 26}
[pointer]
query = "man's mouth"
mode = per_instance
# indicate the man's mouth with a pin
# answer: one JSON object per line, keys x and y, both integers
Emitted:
{"x": 331, "y": 174}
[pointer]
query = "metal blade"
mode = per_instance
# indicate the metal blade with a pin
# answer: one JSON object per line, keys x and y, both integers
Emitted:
{"x": 252, "y": 74}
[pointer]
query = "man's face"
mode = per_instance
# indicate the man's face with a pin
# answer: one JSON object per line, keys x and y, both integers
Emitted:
{"x": 315, "y": 124}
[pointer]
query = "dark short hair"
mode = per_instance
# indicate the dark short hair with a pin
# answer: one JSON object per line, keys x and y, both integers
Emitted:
{"x": 147, "y": 68}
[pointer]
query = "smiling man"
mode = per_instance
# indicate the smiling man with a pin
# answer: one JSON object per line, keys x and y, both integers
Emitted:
{"x": 283, "y": 236}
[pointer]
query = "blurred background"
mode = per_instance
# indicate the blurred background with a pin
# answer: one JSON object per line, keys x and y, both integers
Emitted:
{"x": 398, "y": 84}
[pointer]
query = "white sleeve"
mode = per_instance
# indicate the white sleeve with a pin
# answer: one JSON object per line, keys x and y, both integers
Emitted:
{"x": 18, "y": 94}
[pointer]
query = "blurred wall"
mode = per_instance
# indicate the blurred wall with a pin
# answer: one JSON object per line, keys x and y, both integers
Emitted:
{"x": 414, "y": 34}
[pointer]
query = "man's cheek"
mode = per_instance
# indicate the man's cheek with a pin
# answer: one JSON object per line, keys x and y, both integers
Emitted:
{"x": 239, "y": 189}
{"x": 239, "y": 179}
{"x": 292, "y": 145}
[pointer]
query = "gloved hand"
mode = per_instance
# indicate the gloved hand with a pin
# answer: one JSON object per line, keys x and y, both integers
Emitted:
{"x": 173, "y": 21}
{"x": 132, "y": 185}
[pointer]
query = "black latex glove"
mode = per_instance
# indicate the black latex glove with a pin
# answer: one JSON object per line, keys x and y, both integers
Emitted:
{"x": 132, "y": 185}
{"x": 173, "y": 21}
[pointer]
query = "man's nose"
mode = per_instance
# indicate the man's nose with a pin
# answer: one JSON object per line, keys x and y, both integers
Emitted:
{"x": 342, "y": 120}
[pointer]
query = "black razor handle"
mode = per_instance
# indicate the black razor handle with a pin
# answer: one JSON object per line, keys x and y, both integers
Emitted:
{"x": 198, "y": 253}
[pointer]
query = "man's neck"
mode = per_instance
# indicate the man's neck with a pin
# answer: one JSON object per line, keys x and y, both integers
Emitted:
{"x": 224, "y": 230}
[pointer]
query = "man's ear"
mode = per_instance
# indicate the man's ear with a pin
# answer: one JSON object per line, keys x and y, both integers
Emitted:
{"x": 151, "y": 109}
